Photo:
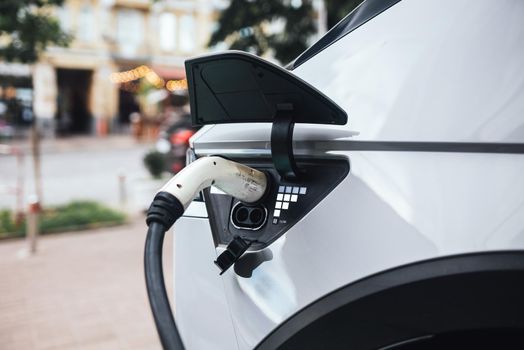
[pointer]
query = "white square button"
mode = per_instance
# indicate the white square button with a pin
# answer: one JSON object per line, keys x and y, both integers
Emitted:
{"x": 285, "y": 206}
{"x": 294, "y": 198}
{"x": 278, "y": 205}
{"x": 303, "y": 190}
{"x": 276, "y": 214}
{"x": 287, "y": 197}
{"x": 295, "y": 190}
{"x": 288, "y": 189}
{"x": 280, "y": 196}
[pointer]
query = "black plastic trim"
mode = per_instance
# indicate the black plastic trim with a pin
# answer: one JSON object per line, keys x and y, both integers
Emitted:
{"x": 395, "y": 146}
{"x": 363, "y": 13}
{"x": 282, "y": 145}
{"x": 238, "y": 87}
{"x": 455, "y": 293}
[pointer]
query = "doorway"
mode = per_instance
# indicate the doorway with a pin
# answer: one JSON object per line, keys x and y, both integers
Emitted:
{"x": 127, "y": 104}
{"x": 73, "y": 115}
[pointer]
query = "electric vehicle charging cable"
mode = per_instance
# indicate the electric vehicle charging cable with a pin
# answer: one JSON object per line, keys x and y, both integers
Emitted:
{"x": 242, "y": 182}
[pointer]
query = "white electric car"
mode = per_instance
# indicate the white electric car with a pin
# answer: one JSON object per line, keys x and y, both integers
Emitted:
{"x": 394, "y": 215}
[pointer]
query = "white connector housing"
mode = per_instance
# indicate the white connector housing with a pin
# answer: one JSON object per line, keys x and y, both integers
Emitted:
{"x": 238, "y": 180}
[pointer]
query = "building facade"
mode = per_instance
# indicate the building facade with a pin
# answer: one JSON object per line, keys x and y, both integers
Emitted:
{"x": 76, "y": 90}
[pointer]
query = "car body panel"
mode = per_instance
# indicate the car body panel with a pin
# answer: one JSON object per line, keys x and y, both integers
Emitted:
{"x": 424, "y": 205}
{"x": 203, "y": 316}
{"x": 430, "y": 71}
{"x": 409, "y": 196}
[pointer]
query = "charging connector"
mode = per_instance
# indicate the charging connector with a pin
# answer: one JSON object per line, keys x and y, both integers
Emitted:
{"x": 248, "y": 217}
{"x": 240, "y": 181}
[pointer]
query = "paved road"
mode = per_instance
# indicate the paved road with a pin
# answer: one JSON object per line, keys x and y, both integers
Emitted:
{"x": 81, "y": 168}
{"x": 80, "y": 291}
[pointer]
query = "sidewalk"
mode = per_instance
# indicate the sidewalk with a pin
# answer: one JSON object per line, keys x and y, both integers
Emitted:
{"x": 77, "y": 143}
{"x": 81, "y": 168}
{"x": 80, "y": 291}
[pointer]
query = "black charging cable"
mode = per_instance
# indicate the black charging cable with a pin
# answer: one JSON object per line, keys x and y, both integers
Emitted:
{"x": 238, "y": 180}
{"x": 162, "y": 214}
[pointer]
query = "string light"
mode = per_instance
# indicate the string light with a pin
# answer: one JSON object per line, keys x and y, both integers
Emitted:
{"x": 174, "y": 85}
{"x": 130, "y": 75}
{"x": 152, "y": 77}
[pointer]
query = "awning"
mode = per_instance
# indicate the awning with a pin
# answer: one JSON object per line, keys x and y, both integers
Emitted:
{"x": 170, "y": 73}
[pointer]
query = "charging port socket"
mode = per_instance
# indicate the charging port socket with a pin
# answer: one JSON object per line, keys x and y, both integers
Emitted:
{"x": 246, "y": 217}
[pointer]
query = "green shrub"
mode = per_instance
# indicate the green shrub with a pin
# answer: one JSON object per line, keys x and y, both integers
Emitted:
{"x": 155, "y": 162}
{"x": 7, "y": 224}
{"x": 77, "y": 215}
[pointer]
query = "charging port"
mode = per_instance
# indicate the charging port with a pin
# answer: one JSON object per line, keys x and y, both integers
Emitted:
{"x": 245, "y": 217}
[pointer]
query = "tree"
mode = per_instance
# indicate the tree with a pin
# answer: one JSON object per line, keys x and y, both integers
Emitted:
{"x": 250, "y": 26}
{"x": 246, "y": 25}
{"x": 338, "y": 9}
{"x": 27, "y": 28}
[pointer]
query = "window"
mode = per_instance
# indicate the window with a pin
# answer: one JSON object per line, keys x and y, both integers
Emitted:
{"x": 187, "y": 33}
{"x": 86, "y": 23}
{"x": 63, "y": 14}
{"x": 130, "y": 34}
{"x": 167, "y": 31}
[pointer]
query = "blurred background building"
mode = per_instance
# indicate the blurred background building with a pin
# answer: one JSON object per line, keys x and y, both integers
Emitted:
{"x": 91, "y": 86}
{"x": 121, "y": 36}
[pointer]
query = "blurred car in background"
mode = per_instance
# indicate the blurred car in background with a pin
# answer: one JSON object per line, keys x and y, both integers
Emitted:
{"x": 6, "y": 131}
{"x": 173, "y": 139}
{"x": 174, "y": 143}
